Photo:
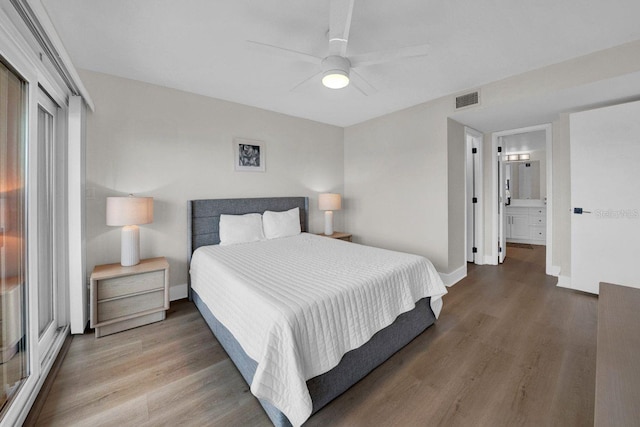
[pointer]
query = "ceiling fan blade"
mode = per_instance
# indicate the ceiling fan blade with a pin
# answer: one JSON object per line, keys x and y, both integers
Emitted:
{"x": 288, "y": 53}
{"x": 362, "y": 84}
{"x": 381, "y": 57}
{"x": 340, "y": 13}
{"x": 305, "y": 81}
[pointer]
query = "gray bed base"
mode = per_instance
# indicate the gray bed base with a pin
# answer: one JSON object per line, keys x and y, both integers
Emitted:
{"x": 204, "y": 216}
{"x": 354, "y": 365}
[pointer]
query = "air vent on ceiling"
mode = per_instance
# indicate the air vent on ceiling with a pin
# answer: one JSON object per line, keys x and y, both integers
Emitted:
{"x": 467, "y": 100}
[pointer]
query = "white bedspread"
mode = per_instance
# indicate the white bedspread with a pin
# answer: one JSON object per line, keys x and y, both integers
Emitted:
{"x": 296, "y": 305}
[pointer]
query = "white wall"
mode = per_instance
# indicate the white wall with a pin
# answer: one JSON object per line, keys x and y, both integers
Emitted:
{"x": 176, "y": 146}
{"x": 396, "y": 181}
{"x": 397, "y": 166}
{"x": 404, "y": 181}
{"x": 456, "y": 173}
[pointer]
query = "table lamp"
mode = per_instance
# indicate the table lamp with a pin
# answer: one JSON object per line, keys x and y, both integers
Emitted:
{"x": 129, "y": 212}
{"x": 329, "y": 202}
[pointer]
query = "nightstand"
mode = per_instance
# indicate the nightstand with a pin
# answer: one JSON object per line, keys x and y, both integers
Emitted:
{"x": 127, "y": 297}
{"x": 338, "y": 235}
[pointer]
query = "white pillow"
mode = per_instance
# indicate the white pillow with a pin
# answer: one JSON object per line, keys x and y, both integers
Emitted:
{"x": 240, "y": 229}
{"x": 281, "y": 224}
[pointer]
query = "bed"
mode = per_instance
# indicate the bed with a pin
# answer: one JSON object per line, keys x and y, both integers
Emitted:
{"x": 311, "y": 366}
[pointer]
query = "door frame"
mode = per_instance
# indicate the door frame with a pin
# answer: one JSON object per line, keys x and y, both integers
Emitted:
{"x": 502, "y": 207}
{"x": 494, "y": 199}
{"x": 55, "y": 161}
{"x": 474, "y": 172}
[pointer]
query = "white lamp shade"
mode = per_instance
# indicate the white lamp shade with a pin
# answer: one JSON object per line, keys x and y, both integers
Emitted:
{"x": 329, "y": 202}
{"x": 129, "y": 210}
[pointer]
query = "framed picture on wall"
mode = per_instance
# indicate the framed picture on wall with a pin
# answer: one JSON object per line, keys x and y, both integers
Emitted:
{"x": 249, "y": 155}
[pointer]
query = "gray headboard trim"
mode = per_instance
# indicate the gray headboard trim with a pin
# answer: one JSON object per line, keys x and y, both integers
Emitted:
{"x": 204, "y": 216}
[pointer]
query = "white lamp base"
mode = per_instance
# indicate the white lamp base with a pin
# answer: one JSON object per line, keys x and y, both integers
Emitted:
{"x": 130, "y": 246}
{"x": 328, "y": 223}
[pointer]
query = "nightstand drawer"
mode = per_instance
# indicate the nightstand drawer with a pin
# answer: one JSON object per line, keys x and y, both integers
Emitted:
{"x": 118, "y": 307}
{"x": 133, "y": 284}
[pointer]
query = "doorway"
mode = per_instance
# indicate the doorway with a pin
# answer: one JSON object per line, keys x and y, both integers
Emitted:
{"x": 527, "y": 217}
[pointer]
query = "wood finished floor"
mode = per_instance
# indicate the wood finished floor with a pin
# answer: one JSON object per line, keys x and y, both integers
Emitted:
{"x": 510, "y": 348}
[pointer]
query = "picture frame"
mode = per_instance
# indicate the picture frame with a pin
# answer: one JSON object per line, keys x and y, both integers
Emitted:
{"x": 249, "y": 155}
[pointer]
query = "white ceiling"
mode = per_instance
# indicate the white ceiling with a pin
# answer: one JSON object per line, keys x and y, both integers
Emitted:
{"x": 200, "y": 46}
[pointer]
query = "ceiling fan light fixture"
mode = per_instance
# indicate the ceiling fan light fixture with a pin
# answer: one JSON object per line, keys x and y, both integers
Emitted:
{"x": 335, "y": 79}
{"x": 335, "y": 72}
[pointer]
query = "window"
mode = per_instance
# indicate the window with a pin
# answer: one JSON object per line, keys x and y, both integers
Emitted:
{"x": 47, "y": 212}
{"x": 13, "y": 236}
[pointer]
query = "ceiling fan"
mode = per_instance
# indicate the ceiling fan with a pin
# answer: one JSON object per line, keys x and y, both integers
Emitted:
{"x": 336, "y": 69}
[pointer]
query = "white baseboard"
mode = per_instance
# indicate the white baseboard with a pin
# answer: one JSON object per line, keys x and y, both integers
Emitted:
{"x": 554, "y": 270}
{"x": 564, "y": 282}
{"x": 490, "y": 260}
{"x": 178, "y": 292}
{"x": 455, "y": 276}
{"x": 528, "y": 242}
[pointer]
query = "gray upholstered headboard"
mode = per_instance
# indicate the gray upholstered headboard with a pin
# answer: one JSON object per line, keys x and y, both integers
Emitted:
{"x": 204, "y": 215}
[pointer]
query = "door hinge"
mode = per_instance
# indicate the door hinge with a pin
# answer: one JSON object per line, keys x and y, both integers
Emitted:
{"x": 474, "y": 150}
{"x": 499, "y": 149}
{"x": 474, "y": 250}
{"x": 499, "y": 249}
{"x": 474, "y": 200}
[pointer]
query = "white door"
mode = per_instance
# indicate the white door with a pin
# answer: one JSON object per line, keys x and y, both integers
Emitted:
{"x": 605, "y": 184}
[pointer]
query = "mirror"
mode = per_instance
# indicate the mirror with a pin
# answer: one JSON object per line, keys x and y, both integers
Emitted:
{"x": 523, "y": 179}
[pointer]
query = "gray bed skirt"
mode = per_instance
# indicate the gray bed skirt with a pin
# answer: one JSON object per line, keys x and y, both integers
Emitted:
{"x": 354, "y": 365}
